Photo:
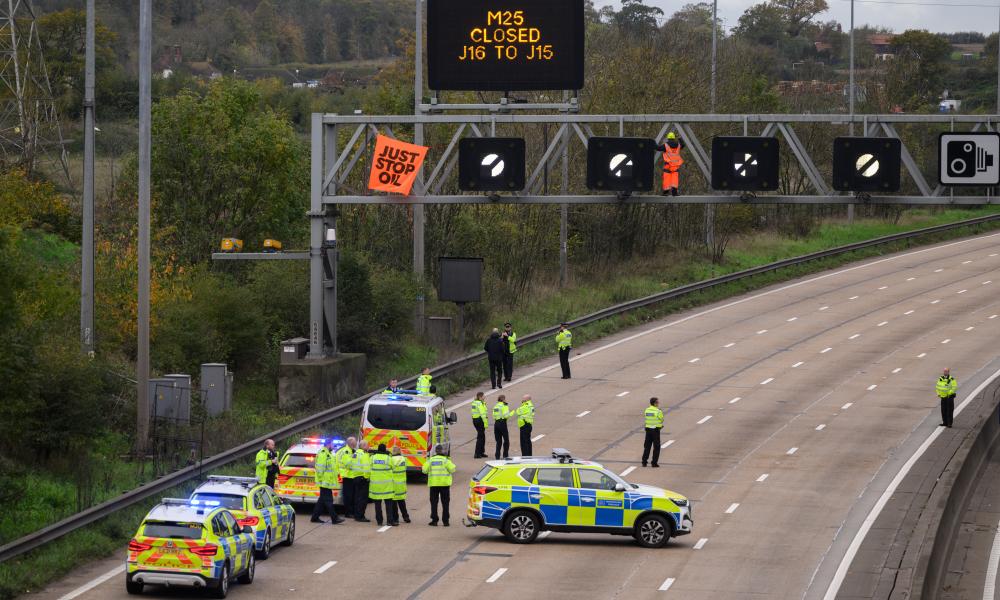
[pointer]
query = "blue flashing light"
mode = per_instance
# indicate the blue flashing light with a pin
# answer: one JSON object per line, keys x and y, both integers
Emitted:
{"x": 205, "y": 502}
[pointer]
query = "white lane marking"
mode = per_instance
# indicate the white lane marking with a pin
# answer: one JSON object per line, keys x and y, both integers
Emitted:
{"x": 735, "y": 400}
{"x": 694, "y": 360}
{"x": 762, "y": 477}
{"x": 701, "y": 543}
{"x": 961, "y": 291}
{"x": 384, "y": 528}
{"x": 994, "y": 254}
{"x": 627, "y": 471}
{"x": 659, "y": 376}
{"x": 853, "y": 298}
{"x": 666, "y": 584}
{"x": 990, "y": 586}
{"x": 622, "y": 394}
{"x": 798, "y": 364}
{"x": 792, "y": 319}
{"x": 987, "y": 282}
{"x": 583, "y": 414}
{"x": 666, "y": 443}
{"x": 326, "y": 566}
{"x": 882, "y": 323}
{"x": 934, "y": 301}
{"x": 825, "y": 350}
{"x": 897, "y": 370}
{"x": 993, "y": 316}
{"x": 730, "y": 345}
{"x": 824, "y": 307}
{"x": 946, "y": 340}
{"x": 704, "y": 419}
{"x": 846, "y": 406}
{"x": 821, "y": 427}
{"x": 538, "y": 437}
{"x": 83, "y": 589}
{"x": 859, "y": 537}
{"x": 855, "y": 336}
{"x": 910, "y": 278}
{"x": 792, "y": 450}
{"x": 761, "y": 331}
{"x": 767, "y": 381}
{"x": 909, "y": 312}
{"x": 970, "y": 328}
{"x": 872, "y": 386}
{"x": 921, "y": 355}
{"x": 496, "y": 575}
{"x": 965, "y": 262}
{"x": 883, "y": 287}
{"x": 938, "y": 270}
{"x": 732, "y": 508}
{"x": 714, "y": 309}
{"x": 544, "y": 534}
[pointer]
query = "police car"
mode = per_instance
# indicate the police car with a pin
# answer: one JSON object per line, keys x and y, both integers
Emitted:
{"x": 414, "y": 422}
{"x": 296, "y": 472}
{"x": 181, "y": 544}
{"x": 253, "y": 504}
{"x": 523, "y": 496}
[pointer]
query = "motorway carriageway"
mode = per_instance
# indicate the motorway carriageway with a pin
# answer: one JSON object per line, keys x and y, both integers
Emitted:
{"x": 789, "y": 412}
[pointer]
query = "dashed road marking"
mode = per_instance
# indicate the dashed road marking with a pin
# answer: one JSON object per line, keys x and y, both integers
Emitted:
{"x": 767, "y": 381}
{"x": 909, "y": 312}
{"x": 846, "y": 406}
{"x": 825, "y": 350}
{"x": 583, "y": 414}
{"x": 882, "y": 323}
{"x": 921, "y": 355}
{"x": 762, "y": 477}
{"x": 326, "y": 566}
{"x": 384, "y": 528}
{"x": 987, "y": 282}
{"x": 623, "y": 394}
{"x": 732, "y": 508}
{"x": 538, "y": 437}
{"x": 496, "y": 575}
{"x": 666, "y": 584}
{"x": 934, "y": 301}
{"x": 659, "y": 376}
{"x": 798, "y": 364}
{"x": 897, "y": 370}
{"x": 855, "y": 336}
{"x": 792, "y": 450}
{"x": 735, "y": 400}
{"x": 666, "y": 443}
{"x": 821, "y": 427}
{"x": 990, "y": 586}
{"x": 961, "y": 291}
{"x": 946, "y": 340}
{"x": 792, "y": 319}
{"x": 627, "y": 471}
{"x": 704, "y": 419}
{"x": 938, "y": 270}
{"x": 994, "y": 254}
{"x": 993, "y": 316}
{"x": 762, "y": 331}
{"x": 701, "y": 543}
{"x": 853, "y": 297}
{"x": 694, "y": 360}
{"x": 970, "y": 328}
{"x": 824, "y": 307}
{"x": 883, "y": 287}
{"x": 872, "y": 386}
{"x": 730, "y": 345}
{"x": 965, "y": 262}
{"x": 910, "y": 278}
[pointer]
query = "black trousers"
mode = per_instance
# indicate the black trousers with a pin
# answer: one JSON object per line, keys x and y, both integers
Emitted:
{"x": 347, "y": 496}
{"x": 496, "y": 373}
{"x": 502, "y": 437}
{"x": 652, "y": 441}
{"x": 360, "y": 497}
{"x": 271, "y": 475}
{"x": 480, "y": 437}
{"x": 508, "y": 366}
{"x": 397, "y": 508}
{"x": 444, "y": 494}
{"x": 378, "y": 510}
{"x": 948, "y": 410}
{"x": 564, "y": 361}
{"x": 526, "y": 439}
{"x": 324, "y": 504}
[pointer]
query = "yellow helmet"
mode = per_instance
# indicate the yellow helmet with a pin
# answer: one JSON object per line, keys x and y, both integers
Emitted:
{"x": 671, "y": 136}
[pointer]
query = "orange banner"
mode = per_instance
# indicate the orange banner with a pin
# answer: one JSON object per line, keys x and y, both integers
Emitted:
{"x": 394, "y": 167}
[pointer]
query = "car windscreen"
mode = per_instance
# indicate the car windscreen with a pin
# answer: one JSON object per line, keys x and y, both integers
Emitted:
{"x": 299, "y": 460}
{"x": 175, "y": 531}
{"x": 396, "y": 416}
{"x": 223, "y": 500}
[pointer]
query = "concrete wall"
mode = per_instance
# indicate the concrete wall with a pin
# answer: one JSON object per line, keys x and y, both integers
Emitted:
{"x": 322, "y": 383}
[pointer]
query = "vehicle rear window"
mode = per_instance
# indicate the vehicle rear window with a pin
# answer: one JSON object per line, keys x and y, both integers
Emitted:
{"x": 224, "y": 500}
{"x": 175, "y": 531}
{"x": 482, "y": 473}
{"x": 396, "y": 416}
{"x": 299, "y": 460}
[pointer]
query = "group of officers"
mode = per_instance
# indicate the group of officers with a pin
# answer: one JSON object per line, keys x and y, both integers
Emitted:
{"x": 525, "y": 414}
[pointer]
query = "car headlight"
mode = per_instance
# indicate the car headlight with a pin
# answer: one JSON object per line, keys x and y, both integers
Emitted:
{"x": 679, "y": 501}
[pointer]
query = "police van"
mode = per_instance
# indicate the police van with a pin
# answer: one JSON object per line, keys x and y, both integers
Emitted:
{"x": 414, "y": 422}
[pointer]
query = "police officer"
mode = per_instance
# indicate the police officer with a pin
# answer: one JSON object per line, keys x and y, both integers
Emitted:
{"x": 525, "y": 419}
{"x": 480, "y": 421}
{"x": 325, "y": 474}
{"x": 361, "y": 468}
{"x": 653, "y": 423}
{"x": 438, "y": 469}
{"x": 500, "y": 414}
{"x": 564, "y": 341}
{"x": 946, "y": 388}
{"x": 510, "y": 336}
{"x": 380, "y": 488}
{"x": 398, "y": 505}
{"x": 266, "y": 463}
{"x": 393, "y": 387}
{"x": 345, "y": 463}
{"x": 495, "y": 348}
{"x": 424, "y": 382}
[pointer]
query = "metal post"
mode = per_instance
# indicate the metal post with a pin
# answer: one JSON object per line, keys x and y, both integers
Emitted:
{"x": 564, "y": 215}
{"x": 316, "y": 324}
{"x": 715, "y": 10}
{"x": 145, "y": 149}
{"x": 850, "y": 102}
{"x": 331, "y": 255}
{"x": 87, "y": 242}
{"x": 998, "y": 62}
{"x": 418, "y": 138}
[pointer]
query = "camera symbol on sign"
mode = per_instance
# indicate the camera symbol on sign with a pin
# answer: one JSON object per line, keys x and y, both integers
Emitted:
{"x": 966, "y": 159}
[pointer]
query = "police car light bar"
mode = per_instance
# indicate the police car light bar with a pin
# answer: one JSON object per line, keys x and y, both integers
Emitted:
{"x": 249, "y": 481}
{"x": 175, "y": 501}
{"x": 562, "y": 454}
{"x": 205, "y": 502}
{"x": 314, "y": 440}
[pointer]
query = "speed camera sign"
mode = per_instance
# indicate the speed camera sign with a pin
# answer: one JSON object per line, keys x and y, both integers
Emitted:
{"x": 969, "y": 158}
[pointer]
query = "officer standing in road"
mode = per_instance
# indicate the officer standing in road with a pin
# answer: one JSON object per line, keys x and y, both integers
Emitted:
{"x": 946, "y": 388}
{"x": 266, "y": 461}
{"x": 510, "y": 336}
{"x": 325, "y": 472}
{"x": 480, "y": 421}
{"x": 438, "y": 469}
{"x": 500, "y": 414}
{"x": 564, "y": 340}
{"x": 653, "y": 424}
{"x": 345, "y": 464}
{"x": 525, "y": 419}
{"x": 380, "y": 488}
{"x": 495, "y": 348}
{"x": 424, "y": 382}
{"x": 361, "y": 468}
{"x": 398, "y": 505}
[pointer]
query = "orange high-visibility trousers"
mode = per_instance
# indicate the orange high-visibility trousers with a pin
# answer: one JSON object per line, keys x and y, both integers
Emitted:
{"x": 671, "y": 179}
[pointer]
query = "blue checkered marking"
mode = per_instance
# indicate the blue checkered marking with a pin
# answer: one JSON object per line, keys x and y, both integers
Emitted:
{"x": 638, "y": 502}
{"x": 582, "y": 497}
{"x": 494, "y": 510}
{"x": 609, "y": 517}
{"x": 555, "y": 515}
{"x": 523, "y": 494}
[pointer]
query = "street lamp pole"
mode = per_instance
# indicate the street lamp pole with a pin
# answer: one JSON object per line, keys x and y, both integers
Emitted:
{"x": 850, "y": 101}
{"x": 87, "y": 238}
{"x": 145, "y": 150}
{"x": 715, "y": 11}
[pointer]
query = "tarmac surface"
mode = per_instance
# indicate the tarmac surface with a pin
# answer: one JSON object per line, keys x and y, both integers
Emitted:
{"x": 789, "y": 408}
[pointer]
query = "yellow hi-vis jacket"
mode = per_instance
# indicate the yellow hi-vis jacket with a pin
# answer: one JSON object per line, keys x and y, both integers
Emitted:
{"x": 946, "y": 386}
{"x": 564, "y": 339}
{"x": 398, "y": 464}
{"x": 654, "y": 417}
{"x": 424, "y": 385}
{"x": 525, "y": 414}
{"x": 261, "y": 461}
{"x": 326, "y": 469}
{"x": 438, "y": 470}
{"x": 381, "y": 486}
{"x": 479, "y": 411}
{"x": 500, "y": 412}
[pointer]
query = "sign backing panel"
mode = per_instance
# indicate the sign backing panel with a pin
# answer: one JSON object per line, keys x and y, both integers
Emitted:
{"x": 969, "y": 158}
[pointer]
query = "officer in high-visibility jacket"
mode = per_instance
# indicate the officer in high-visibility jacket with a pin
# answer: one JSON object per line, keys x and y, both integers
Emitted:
{"x": 361, "y": 470}
{"x": 672, "y": 162}
{"x": 510, "y": 336}
{"x": 380, "y": 486}
{"x": 345, "y": 463}
{"x": 398, "y": 505}
{"x": 325, "y": 471}
{"x": 564, "y": 341}
{"x": 266, "y": 463}
{"x": 392, "y": 388}
{"x": 525, "y": 419}
{"x": 424, "y": 382}
{"x": 438, "y": 469}
{"x": 500, "y": 414}
{"x": 946, "y": 387}
{"x": 480, "y": 421}
{"x": 653, "y": 423}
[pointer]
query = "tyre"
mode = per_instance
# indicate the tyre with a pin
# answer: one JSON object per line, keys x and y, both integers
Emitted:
{"x": 247, "y": 576}
{"x": 652, "y": 531}
{"x": 290, "y": 538}
{"x": 134, "y": 588}
{"x": 222, "y": 588}
{"x": 522, "y": 527}
{"x": 265, "y": 549}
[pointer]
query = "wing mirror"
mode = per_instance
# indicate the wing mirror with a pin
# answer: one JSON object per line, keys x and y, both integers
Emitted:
{"x": 619, "y": 487}
{"x": 452, "y": 418}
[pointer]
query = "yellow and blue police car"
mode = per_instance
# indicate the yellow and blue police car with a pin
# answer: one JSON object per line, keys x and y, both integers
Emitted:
{"x": 523, "y": 496}
{"x": 296, "y": 480}
{"x": 253, "y": 504}
{"x": 180, "y": 544}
